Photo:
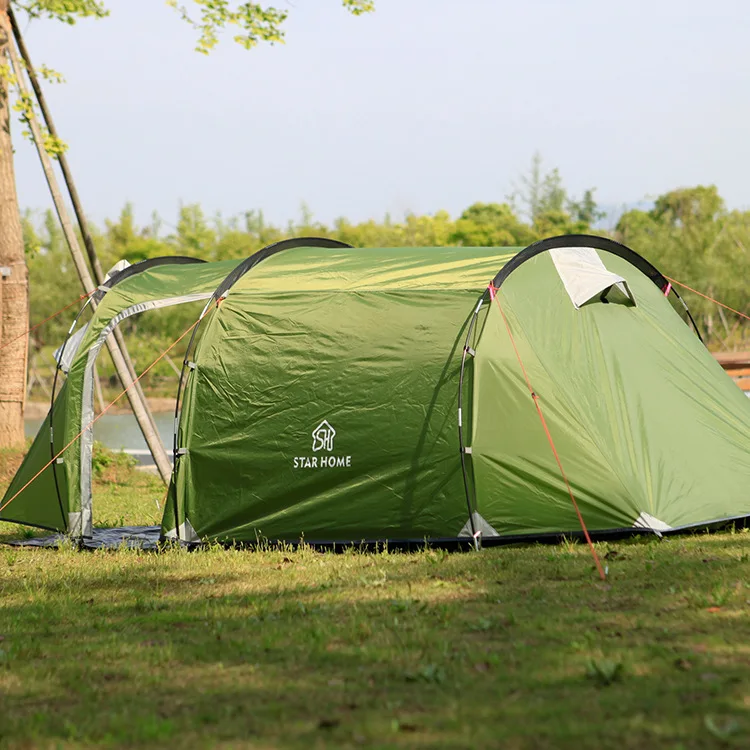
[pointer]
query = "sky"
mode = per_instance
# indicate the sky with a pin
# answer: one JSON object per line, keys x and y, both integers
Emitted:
{"x": 423, "y": 105}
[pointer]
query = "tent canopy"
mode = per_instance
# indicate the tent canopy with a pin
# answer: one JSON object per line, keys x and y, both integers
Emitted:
{"x": 342, "y": 394}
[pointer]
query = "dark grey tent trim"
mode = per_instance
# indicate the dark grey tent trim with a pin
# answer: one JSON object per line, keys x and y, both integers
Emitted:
{"x": 149, "y": 538}
{"x": 140, "y": 267}
{"x": 237, "y": 273}
{"x": 598, "y": 243}
{"x": 581, "y": 240}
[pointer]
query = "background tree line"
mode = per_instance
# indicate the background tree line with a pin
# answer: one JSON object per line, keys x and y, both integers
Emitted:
{"x": 688, "y": 234}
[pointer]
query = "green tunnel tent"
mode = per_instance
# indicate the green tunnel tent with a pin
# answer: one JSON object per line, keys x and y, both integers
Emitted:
{"x": 344, "y": 395}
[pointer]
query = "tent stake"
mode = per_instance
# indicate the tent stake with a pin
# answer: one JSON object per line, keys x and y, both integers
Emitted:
{"x": 137, "y": 404}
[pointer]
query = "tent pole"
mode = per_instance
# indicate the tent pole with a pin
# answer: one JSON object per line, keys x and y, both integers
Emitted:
{"x": 138, "y": 405}
{"x": 98, "y": 390}
{"x": 88, "y": 241}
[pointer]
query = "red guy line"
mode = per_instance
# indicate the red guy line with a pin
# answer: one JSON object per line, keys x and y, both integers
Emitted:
{"x": 710, "y": 299}
{"x": 54, "y": 315}
{"x": 96, "y": 419}
{"x": 493, "y": 295}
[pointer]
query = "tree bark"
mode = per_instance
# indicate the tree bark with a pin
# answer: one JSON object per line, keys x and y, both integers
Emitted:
{"x": 14, "y": 308}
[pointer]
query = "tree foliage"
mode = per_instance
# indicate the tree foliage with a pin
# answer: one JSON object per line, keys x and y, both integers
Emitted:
{"x": 542, "y": 199}
{"x": 217, "y": 237}
{"x": 491, "y": 225}
{"x": 688, "y": 234}
{"x": 252, "y": 23}
{"x": 691, "y": 236}
{"x": 67, "y": 11}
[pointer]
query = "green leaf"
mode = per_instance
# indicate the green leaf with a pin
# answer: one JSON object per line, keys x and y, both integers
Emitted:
{"x": 67, "y": 11}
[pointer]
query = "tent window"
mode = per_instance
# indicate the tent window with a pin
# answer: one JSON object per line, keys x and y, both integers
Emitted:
{"x": 586, "y": 278}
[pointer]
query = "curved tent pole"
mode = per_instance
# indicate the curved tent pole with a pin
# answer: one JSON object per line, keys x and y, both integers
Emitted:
{"x": 598, "y": 243}
{"x": 237, "y": 273}
{"x": 221, "y": 292}
{"x": 689, "y": 314}
{"x": 94, "y": 299}
{"x": 581, "y": 240}
{"x": 120, "y": 276}
{"x": 463, "y": 448}
{"x": 146, "y": 265}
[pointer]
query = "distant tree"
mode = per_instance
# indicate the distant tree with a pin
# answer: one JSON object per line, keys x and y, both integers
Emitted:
{"x": 553, "y": 197}
{"x": 125, "y": 240}
{"x": 194, "y": 235}
{"x": 696, "y": 206}
{"x": 545, "y": 203}
{"x": 690, "y": 236}
{"x": 491, "y": 225}
{"x": 414, "y": 231}
{"x": 52, "y": 273}
{"x": 586, "y": 210}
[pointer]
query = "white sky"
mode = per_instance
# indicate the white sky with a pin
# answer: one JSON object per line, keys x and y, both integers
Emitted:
{"x": 423, "y": 105}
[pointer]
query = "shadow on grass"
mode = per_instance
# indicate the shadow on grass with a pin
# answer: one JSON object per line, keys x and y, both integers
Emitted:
{"x": 510, "y": 648}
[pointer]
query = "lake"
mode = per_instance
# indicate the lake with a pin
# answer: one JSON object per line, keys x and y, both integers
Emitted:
{"x": 121, "y": 432}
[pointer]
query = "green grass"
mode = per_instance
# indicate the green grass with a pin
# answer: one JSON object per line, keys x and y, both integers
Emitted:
{"x": 122, "y": 495}
{"x": 517, "y": 647}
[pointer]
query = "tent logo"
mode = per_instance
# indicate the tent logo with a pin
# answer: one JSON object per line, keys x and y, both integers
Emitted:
{"x": 323, "y": 436}
{"x": 322, "y": 440}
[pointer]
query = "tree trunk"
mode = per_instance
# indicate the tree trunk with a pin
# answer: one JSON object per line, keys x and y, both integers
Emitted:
{"x": 14, "y": 305}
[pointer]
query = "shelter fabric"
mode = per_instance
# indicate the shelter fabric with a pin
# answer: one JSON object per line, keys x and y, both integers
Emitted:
{"x": 362, "y": 344}
{"x": 60, "y": 497}
{"x": 321, "y": 399}
{"x": 644, "y": 418}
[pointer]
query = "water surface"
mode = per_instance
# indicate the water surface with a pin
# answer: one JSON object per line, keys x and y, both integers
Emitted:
{"x": 120, "y": 432}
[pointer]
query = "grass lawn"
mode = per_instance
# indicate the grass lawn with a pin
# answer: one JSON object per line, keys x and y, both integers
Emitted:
{"x": 518, "y": 647}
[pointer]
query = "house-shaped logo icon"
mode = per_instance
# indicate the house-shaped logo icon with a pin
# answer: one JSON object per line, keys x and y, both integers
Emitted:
{"x": 323, "y": 436}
